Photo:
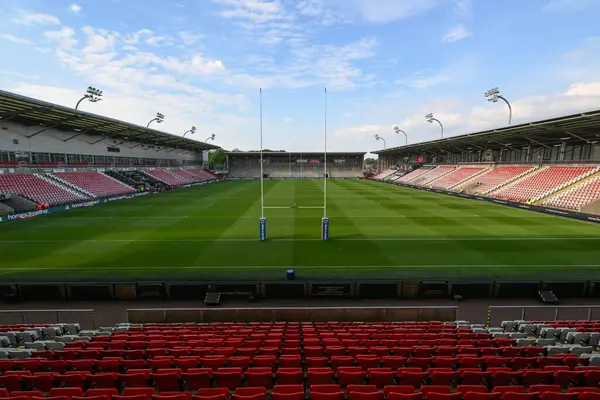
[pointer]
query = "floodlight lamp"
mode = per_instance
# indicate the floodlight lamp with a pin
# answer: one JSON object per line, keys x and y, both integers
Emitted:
{"x": 396, "y": 129}
{"x": 213, "y": 136}
{"x": 377, "y": 136}
{"x": 193, "y": 130}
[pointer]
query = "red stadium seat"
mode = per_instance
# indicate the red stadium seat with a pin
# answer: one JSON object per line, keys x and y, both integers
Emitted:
{"x": 326, "y": 396}
{"x": 404, "y": 396}
{"x": 27, "y": 393}
{"x": 66, "y": 391}
{"x": 101, "y": 392}
{"x": 289, "y": 376}
{"x": 288, "y": 396}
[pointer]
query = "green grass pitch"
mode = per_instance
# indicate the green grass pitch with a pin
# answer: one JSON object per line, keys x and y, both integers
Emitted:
{"x": 377, "y": 231}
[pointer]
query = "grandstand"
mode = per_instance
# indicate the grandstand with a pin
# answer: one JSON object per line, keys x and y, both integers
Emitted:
{"x": 55, "y": 155}
{"x": 552, "y": 163}
{"x": 520, "y": 360}
{"x": 294, "y": 165}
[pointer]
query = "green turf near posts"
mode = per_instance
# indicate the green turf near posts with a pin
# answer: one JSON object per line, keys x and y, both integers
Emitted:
{"x": 377, "y": 232}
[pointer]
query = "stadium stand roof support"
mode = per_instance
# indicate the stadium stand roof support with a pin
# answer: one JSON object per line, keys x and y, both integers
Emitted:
{"x": 32, "y": 112}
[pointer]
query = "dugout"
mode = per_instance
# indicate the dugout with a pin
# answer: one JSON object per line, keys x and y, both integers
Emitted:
{"x": 434, "y": 289}
{"x": 188, "y": 291}
{"x": 151, "y": 291}
{"x": 566, "y": 289}
{"x": 474, "y": 290}
{"x": 516, "y": 290}
{"x": 378, "y": 290}
{"x": 242, "y": 290}
{"x": 45, "y": 292}
{"x": 331, "y": 289}
{"x": 285, "y": 290}
{"x": 86, "y": 292}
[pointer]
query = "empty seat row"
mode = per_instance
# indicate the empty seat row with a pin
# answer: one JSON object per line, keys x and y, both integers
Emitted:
{"x": 316, "y": 392}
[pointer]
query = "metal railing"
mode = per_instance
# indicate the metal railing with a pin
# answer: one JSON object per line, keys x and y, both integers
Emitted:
{"x": 497, "y": 314}
{"x": 86, "y": 317}
{"x": 264, "y": 314}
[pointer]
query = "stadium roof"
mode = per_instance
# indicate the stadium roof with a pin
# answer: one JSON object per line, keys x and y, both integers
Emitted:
{"x": 32, "y": 112}
{"x": 295, "y": 153}
{"x": 581, "y": 127}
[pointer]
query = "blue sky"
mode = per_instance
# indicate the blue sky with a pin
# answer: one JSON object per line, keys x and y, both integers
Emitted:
{"x": 384, "y": 62}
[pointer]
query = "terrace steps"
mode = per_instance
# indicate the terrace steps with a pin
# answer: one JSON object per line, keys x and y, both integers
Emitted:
{"x": 483, "y": 171}
{"x": 574, "y": 185}
{"x": 517, "y": 179}
{"x": 116, "y": 180}
{"x": 429, "y": 182}
{"x": 64, "y": 185}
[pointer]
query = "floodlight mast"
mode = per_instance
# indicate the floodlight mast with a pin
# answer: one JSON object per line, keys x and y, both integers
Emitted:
{"x": 429, "y": 118}
{"x": 159, "y": 119}
{"x": 191, "y": 131}
{"x": 92, "y": 94}
{"x": 377, "y": 137}
{"x": 493, "y": 95}
{"x": 211, "y": 137}
{"x": 398, "y": 130}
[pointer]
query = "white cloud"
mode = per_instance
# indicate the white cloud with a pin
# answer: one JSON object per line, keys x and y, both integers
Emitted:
{"x": 567, "y": 5}
{"x": 287, "y": 120}
{"x": 98, "y": 41}
{"x": 14, "y": 39}
{"x": 309, "y": 65}
{"x": 348, "y": 114}
{"x": 74, "y": 8}
{"x": 20, "y": 75}
{"x": 463, "y": 8}
{"x": 27, "y": 18}
{"x": 147, "y": 36}
{"x": 426, "y": 81}
{"x": 252, "y": 10}
{"x": 361, "y": 130}
{"x": 189, "y": 38}
{"x": 65, "y": 37}
{"x": 392, "y": 10}
{"x": 456, "y": 33}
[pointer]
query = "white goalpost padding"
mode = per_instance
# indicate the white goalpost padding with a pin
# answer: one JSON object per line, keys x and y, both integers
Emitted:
{"x": 263, "y": 220}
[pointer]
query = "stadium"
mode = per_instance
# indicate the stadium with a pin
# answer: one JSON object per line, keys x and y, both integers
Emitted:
{"x": 133, "y": 269}
{"x": 508, "y": 213}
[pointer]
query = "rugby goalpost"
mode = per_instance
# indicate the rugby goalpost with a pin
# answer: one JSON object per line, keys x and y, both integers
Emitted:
{"x": 263, "y": 219}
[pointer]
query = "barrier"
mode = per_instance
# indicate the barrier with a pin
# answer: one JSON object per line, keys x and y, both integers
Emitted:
{"x": 497, "y": 314}
{"x": 299, "y": 314}
{"x": 86, "y": 317}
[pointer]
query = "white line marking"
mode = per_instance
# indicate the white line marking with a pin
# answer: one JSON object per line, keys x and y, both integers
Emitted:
{"x": 250, "y": 267}
{"x": 383, "y": 239}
